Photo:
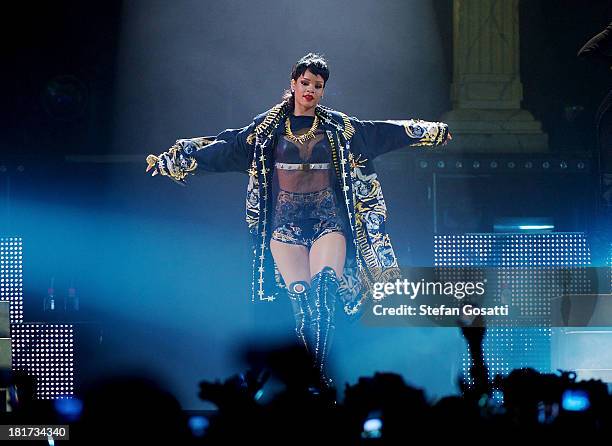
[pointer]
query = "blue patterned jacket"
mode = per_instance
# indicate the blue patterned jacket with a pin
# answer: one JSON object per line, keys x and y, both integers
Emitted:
{"x": 354, "y": 144}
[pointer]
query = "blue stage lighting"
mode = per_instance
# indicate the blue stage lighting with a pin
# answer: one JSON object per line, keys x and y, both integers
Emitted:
{"x": 198, "y": 425}
{"x": 526, "y": 264}
{"x": 533, "y": 224}
{"x": 372, "y": 426}
{"x": 46, "y": 352}
{"x": 575, "y": 401}
{"x": 11, "y": 276}
{"x": 69, "y": 409}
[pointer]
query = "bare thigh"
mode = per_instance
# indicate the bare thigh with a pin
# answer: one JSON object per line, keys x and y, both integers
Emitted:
{"x": 329, "y": 250}
{"x": 291, "y": 260}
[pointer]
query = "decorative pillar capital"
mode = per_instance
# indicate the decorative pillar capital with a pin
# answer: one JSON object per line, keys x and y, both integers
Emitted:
{"x": 487, "y": 92}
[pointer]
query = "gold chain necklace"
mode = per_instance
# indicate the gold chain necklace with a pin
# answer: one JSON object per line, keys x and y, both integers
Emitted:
{"x": 310, "y": 134}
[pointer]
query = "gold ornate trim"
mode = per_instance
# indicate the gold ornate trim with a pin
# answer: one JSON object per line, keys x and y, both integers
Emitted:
{"x": 427, "y": 133}
{"x": 181, "y": 165}
{"x": 263, "y": 126}
{"x": 349, "y": 130}
{"x": 346, "y": 129}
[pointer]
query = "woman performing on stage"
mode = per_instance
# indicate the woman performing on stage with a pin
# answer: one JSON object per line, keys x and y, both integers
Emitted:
{"x": 314, "y": 205}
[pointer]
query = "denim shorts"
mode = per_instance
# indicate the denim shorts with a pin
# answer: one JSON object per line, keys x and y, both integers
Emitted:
{"x": 303, "y": 218}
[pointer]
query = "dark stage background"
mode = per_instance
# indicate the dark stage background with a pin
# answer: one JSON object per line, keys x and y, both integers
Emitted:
{"x": 90, "y": 88}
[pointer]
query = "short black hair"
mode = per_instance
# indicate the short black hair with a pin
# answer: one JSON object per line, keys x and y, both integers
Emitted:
{"x": 314, "y": 62}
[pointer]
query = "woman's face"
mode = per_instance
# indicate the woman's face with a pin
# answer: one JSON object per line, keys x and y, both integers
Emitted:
{"x": 308, "y": 90}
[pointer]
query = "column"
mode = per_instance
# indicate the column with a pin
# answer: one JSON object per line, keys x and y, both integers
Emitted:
{"x": 486, "y": 92}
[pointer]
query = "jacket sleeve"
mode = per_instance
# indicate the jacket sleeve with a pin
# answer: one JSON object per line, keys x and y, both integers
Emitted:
{"x": 229, "y": 151}
{"x": 380, "y": 137}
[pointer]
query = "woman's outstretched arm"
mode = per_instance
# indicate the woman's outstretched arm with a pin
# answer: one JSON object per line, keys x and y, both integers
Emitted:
{"x": 229, "y": 151}
{"x": 380, "y": 137}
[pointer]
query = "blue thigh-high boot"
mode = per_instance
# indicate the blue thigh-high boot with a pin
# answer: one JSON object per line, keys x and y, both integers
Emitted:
{"x": 320, "y": 326}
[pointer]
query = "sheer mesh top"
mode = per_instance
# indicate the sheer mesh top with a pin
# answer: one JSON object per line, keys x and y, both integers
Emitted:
{"x": 313, "y": 151}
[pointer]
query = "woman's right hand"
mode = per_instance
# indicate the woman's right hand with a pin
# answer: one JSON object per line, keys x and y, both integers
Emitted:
{"x": 173, "y": 163}
{"x": 159, "y": 164}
